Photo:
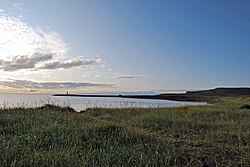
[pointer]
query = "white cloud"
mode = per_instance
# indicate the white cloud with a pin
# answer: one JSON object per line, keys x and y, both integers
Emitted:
{"x": 19, "y": 38}
{"x": 1, "y": 10}
{"x": 26, "y": 50}
{"x": 23, "y": 47}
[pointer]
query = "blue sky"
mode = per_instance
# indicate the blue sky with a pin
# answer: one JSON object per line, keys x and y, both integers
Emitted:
{"x": 116, "y": 45}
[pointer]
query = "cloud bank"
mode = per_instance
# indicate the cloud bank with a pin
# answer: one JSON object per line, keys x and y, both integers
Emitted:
{"x": 39, "y": 61}
{"x": 24, "y": 62}
{"x": 27, "y": 84}
{"x": 75, "y": 62}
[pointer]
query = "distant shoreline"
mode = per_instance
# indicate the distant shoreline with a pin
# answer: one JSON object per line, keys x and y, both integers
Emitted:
{"x": 210, "y": 96}
{"x": 173, "y": 97}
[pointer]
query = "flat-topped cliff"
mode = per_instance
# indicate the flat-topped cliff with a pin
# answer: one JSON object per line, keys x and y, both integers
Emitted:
{"x": 222, "y": 91}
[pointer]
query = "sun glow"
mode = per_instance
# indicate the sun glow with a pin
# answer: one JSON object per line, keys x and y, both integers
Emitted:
{"x": 18, "y": 38}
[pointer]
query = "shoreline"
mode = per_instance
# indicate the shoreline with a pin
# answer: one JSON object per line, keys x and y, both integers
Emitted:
{"x": 210, "y": 96}
{"x": 173, "y": 97}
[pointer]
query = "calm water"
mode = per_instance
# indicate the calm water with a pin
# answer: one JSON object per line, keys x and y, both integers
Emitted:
{"x": 80, "y": 103}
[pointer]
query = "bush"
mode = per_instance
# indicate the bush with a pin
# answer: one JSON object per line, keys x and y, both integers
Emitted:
{"x": 56, "y": 108}
{"x": 246, "y": 106}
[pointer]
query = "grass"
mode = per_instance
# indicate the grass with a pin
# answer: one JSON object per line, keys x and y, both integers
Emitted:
{"x": 211, "y": 135}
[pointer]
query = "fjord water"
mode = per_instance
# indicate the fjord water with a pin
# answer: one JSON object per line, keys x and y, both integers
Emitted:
{"x": 9, "y": 100}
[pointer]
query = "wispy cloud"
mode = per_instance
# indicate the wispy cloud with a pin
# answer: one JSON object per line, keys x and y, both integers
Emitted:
{"x": 19, "y": 38}
{"x": 18, "y": 6}
{"x": 228, "y": 78}
{"x": 128, "y": 76}
{"x": 233, "y": 78}
{"x": 75, "y": 62}
{"x": 33, "y": 85}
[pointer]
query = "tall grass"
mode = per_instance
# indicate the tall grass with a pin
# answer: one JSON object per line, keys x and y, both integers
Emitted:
{"x": 211, "y": 135}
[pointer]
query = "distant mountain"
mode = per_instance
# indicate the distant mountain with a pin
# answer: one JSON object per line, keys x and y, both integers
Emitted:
{"x": 221, "y": 91}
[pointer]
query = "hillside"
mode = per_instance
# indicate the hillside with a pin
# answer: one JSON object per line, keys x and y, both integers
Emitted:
{"x": 222, "y": 91}
{"x": 210, "y": 96}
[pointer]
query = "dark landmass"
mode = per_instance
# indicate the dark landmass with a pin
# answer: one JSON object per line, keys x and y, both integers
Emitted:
{"x": 222, "y": 91}
{"x": 209, "y": 96}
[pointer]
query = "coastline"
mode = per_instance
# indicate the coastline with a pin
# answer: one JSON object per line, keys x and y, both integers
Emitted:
{"x": 173, "y": 97}
{"x": 211, "y": 96}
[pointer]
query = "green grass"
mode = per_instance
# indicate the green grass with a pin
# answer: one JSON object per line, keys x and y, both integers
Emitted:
{"x": 212, "y": 135}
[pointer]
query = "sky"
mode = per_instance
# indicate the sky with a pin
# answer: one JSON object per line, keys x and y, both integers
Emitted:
{"x": 83, "y": 46}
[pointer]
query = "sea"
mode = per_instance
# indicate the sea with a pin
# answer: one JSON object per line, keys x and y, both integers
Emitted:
{"x": 12, "y": 100}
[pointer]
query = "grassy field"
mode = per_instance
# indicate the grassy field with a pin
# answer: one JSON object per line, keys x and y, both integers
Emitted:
{"x": 211, "y": 135}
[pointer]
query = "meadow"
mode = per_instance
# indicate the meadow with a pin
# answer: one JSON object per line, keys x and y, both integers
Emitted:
{"x": 209, "y": 135}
